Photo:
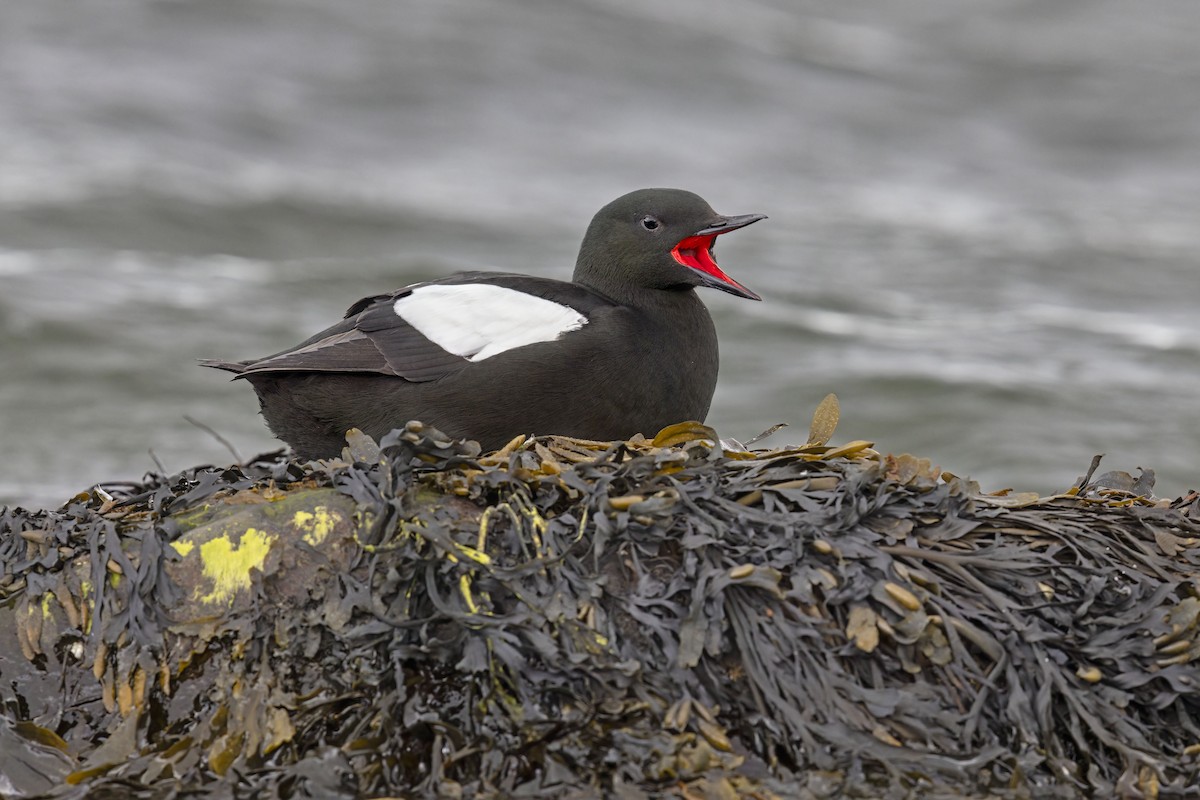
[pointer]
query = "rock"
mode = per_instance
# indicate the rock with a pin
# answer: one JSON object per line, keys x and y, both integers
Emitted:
{"x": 567, "y": 618}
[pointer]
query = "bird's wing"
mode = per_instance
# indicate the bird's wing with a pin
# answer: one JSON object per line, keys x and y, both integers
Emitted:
{"x": 429, "y": 330}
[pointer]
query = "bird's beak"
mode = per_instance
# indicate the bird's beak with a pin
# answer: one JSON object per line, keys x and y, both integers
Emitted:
{"x": 695, "y": 253}
{"x": 727, "y": 224}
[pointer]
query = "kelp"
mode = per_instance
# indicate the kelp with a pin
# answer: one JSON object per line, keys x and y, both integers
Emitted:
{"x": 679, "y": 617}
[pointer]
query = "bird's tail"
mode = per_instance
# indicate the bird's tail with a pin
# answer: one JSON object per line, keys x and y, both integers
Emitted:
{"x": 229, "y": 366}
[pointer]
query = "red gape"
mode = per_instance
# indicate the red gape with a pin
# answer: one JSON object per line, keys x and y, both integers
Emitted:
{"x": 694, "y": 252}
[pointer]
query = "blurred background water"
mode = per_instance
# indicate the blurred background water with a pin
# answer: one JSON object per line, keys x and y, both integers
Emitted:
{"x": 983, "y": 236}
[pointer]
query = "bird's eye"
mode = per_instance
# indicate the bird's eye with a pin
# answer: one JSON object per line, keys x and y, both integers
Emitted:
{"x": 650, "y": 223}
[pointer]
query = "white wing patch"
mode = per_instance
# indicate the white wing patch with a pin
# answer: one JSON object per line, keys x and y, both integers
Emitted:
{"x": 478, "y": 320}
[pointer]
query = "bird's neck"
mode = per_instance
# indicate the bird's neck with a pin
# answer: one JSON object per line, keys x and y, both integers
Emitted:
{"x": 603, "y": 277}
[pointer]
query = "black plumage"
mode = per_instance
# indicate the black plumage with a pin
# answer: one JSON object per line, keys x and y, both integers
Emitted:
{"x": 644, "y": 356}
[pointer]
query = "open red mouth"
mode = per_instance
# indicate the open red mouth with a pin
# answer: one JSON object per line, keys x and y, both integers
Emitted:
{"x": 695, "y": 252}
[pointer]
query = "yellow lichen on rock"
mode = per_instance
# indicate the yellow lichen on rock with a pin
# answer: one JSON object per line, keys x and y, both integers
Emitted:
{"x": 183, "y": 547}
{"x": 317, "y": 524}
{"x": 228, "y": 565}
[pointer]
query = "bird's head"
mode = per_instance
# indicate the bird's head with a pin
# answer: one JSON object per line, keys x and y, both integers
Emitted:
{"x": 657, "y": 239}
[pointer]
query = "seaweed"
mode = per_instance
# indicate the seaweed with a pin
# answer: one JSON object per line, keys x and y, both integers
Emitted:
{"x": 677, "y": 617}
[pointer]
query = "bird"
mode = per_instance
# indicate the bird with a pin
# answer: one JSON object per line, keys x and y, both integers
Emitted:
{"x": 625, "y": 347}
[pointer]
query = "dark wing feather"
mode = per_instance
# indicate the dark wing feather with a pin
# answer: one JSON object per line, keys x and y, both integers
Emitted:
{"x": 374, "y": 341}
{"x": 404, "y": 350}
{"x": 345, "y": 351}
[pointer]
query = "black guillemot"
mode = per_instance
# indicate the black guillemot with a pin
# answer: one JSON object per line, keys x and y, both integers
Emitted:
{"x": 627, "y": 347}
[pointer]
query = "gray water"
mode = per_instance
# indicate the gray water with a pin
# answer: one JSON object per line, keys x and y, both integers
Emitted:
{"x": 983, "y": 225}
